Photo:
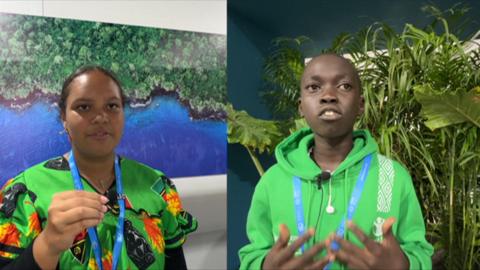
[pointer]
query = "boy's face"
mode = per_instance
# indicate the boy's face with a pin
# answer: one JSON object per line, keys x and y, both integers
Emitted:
{"x": 330, "y": 98}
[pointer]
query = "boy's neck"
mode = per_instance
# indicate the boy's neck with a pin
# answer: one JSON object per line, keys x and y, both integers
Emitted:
{"x": 328, "y": 153}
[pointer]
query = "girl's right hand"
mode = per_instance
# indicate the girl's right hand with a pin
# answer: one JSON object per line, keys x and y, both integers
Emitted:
{"x": 70, "y": 213}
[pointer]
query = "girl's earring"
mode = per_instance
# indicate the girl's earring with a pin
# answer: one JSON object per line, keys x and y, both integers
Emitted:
{"x": 65, "y": 130}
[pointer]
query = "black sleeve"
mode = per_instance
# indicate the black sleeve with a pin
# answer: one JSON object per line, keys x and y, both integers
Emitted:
{"x": 24, "y": 261}
{"x": 174, "y": 259}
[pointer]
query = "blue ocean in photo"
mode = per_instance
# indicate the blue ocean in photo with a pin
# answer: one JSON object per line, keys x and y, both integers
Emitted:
{"x": 161, "y": 135}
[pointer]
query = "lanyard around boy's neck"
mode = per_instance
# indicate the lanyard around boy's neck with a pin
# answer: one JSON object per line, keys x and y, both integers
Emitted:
{"x": 92, "y": 231}
{"x": 357, "y": 192}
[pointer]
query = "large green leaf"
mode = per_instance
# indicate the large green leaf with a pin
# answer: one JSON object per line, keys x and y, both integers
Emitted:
{"x": 253, "y": 133}
{"x": 444, "y": 109}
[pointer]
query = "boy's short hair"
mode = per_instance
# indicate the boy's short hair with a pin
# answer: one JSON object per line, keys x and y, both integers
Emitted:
{"x": 357, "y": 76}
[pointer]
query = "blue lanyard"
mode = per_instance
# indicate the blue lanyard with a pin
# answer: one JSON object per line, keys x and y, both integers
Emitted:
{"x": 357, "y": 192}
{"x": 92, "y": 232}
{"x": 297, "y": 194}
{"x": 297, "y": 198}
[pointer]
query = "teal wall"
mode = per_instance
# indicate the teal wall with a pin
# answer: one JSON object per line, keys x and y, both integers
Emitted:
{"x": 244, "y": 63}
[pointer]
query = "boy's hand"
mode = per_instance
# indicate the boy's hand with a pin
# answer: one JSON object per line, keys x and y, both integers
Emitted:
{"x": 282, "y": 255}
{"x": 384, "y": 255}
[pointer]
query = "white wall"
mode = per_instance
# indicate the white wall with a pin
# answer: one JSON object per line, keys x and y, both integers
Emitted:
{"x": 209, "y": 16}
{"x": 205, "y": 197}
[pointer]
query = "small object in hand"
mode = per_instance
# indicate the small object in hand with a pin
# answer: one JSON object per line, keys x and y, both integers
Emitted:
{"x": 377, "y": 229}
{"x": 334, "y": 245}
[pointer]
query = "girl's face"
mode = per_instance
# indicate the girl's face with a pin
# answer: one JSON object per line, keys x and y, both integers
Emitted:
{"x": 93, "y": 116}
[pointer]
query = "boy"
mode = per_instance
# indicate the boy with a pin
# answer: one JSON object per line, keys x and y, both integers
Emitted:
{"x": 360, "y": 206}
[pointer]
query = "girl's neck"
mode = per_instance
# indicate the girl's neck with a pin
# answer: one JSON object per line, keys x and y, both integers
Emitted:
{"x": 99, "y": 171}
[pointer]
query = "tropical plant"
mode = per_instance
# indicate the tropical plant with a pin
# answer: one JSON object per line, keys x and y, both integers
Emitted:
{"x": 423, "y": 107}
{"x": 419, "y": 73}
{"x": 282, "y": 71}
{"x": 255, "y": 135}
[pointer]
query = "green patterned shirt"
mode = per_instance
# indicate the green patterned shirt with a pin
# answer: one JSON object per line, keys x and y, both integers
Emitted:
{"x": 154, "y": 217}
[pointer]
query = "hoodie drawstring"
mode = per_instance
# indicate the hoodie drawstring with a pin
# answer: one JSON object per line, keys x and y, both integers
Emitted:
{"x": 330, "y": 209}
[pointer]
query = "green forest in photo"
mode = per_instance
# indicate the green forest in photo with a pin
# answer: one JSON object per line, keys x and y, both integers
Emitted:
{"x": 38, "y": 53}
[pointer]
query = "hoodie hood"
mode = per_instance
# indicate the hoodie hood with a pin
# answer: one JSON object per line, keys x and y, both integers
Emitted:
{"x": 293, "y": 155}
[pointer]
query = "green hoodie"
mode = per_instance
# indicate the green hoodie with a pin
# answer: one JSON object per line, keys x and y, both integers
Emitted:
{"x": 388, "y": 192}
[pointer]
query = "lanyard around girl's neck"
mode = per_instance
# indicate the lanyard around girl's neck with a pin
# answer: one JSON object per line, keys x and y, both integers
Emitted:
{"x": 297, "y": 196}
{"x": 92, "y": 231}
